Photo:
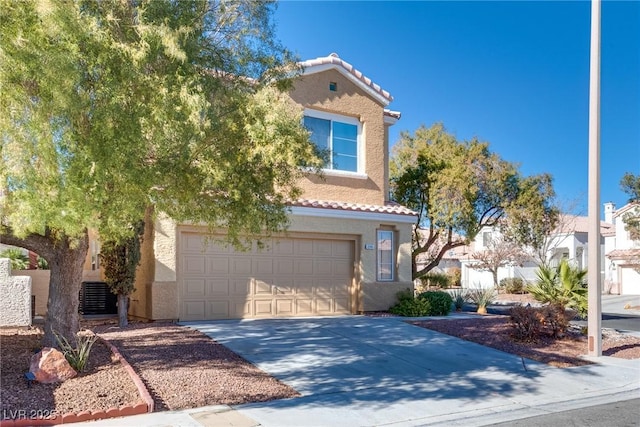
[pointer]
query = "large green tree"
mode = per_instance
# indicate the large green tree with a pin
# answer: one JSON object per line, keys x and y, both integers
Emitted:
{"x": 111, "y": 106}
{"x": 457, "y": 188}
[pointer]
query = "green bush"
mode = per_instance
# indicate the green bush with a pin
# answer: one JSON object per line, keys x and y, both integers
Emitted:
{"x": 19, "y": 261}
{"x": 512, "y": 285}
{"x": 415, "y": 307}
{"x": 440, "y": 302}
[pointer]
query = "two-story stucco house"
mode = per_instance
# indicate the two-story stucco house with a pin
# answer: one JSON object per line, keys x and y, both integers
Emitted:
{"x": 622, "y": 253}
{"x": 347, "y": 250}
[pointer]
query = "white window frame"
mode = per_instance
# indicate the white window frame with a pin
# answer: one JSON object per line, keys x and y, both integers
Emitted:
{"x": 359, "y": 142}
{"x": 379, "y": 258}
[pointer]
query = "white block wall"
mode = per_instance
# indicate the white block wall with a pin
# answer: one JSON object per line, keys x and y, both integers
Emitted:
{"x": 15, "y": 303}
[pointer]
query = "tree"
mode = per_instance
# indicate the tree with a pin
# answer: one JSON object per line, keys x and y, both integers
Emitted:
{"x": 456, "y": 187}
{"x": 630, "y": 184}
{"x": 499, "y": 253}
{"x": 119, "y": 261}
{"x": 533, "y": 218}
{"x": 110, "y": 107}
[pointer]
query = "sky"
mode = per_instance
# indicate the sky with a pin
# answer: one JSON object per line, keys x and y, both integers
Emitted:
{"x": 514, "y": 74}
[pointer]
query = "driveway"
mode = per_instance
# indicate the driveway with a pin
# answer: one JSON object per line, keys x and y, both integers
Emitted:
{"x": 371, "y": 371}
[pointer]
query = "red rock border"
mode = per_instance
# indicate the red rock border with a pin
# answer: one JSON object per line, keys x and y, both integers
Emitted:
{"x": 139, "y": 408}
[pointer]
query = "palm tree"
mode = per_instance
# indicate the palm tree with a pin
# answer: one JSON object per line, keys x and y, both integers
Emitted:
{"x": 564, "y": 286}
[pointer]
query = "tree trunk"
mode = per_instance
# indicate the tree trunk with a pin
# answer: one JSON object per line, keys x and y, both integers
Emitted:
{"x": 66, "y": 267}
{"x": 123, "y": 310}
{"x": 494, "y": 273}
{"x": 66, "y": 257}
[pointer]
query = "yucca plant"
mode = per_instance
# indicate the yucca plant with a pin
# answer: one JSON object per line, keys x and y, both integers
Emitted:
{"x": 482, "y": 297}
{"x": 564, "y": 286}
{"x": 459, "y": 298}
{"x": 77, "y": 356}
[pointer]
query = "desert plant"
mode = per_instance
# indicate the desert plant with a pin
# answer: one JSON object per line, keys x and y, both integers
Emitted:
{"x": 526, "y": 323}
{"x": 42, "y": 263}
{"x": 459, "y": 297}
{"x": 437, "y": 280}
{"x": 564, "y": 286}
{"x": 440, "y": 302}
{"x": 455, "y": 276}
{"x": 512, "y": 285}
{"x": 77, "y": 356}
{"x": 555, "y": 320}
{"x": 414, "y": 307}
{"x": 482, "y": 297}
{"x": 19, "y": 261}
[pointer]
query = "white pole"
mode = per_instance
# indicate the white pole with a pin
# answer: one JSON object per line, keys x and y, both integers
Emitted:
{"x": 594, "y": 322}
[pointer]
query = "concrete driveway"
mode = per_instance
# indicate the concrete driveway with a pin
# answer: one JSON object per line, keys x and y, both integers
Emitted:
{"x": 359, "y": 370}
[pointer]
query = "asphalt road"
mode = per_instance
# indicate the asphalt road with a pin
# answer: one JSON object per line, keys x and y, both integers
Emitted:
{"x": 621, "y": 322}
{"x": 618, "y": 414}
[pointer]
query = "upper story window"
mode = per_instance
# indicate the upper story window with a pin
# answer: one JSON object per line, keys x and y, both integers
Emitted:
{"x": 339, "y": 137}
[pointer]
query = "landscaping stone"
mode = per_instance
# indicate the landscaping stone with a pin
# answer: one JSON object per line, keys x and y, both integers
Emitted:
{"x": 50, "y": 366}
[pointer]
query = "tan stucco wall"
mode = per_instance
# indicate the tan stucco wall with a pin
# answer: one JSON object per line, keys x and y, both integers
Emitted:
{"x": 15, "y": 303}
{"x": 164, "y": 300}
{"x": 139, "y": 303}
{"x": 39, "y": 287}
{"x": 312, "y": 91}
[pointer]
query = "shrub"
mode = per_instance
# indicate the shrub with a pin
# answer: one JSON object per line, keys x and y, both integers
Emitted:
{"x": 526, "y": 323}
{"x": 437, "y": 280}
{"x": 512, "y": 285}
{"x": 482, "y": 297}
{"x": 530, "y": 323}
{"x": 19, "y": 261}
{"x": 439, "y": 302}
{"x": 77, "y": 356}
{"x": 414, "y": 307}
{"x": 455, "y": 276}
{"x": 459, "y": 297}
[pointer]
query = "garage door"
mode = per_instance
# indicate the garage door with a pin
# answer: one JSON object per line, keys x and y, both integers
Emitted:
{"x": 630, "y": 279}
{"x": 288, "y": 277}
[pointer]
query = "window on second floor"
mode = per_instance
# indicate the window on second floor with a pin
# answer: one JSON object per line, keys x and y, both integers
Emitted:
{"x": 338, "y": 137}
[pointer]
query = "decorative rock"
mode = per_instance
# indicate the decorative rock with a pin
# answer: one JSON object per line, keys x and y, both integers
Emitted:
{"x": 50, "y": 366}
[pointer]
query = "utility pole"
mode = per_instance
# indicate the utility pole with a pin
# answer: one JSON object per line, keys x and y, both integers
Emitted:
{"x": 594, "y": 321}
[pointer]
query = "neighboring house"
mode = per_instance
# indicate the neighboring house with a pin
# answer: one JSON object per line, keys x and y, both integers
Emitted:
{"x": 347, "y": 249}
{"x": 569, "y": 241}
{"x": 622, "y": 274}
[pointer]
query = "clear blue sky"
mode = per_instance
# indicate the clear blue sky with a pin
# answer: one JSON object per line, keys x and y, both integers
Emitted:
{"x": 515, "y": 74}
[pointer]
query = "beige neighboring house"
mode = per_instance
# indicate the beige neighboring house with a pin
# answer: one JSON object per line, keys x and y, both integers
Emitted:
{"x": 347, "y": 250}
{"x": 622, "y": 274}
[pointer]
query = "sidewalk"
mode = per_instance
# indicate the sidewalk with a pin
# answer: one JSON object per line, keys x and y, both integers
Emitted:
{"x": 381, "y": 371}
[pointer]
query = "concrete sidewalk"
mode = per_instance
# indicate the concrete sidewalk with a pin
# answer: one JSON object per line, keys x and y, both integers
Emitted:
{"x": 363, "y": 371}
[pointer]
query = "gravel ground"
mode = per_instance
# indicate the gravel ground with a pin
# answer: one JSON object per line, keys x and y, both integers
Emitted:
{"x": 103, "y": 385}
{"x": 495, "y": 332}
{"x": 183, "y": 368}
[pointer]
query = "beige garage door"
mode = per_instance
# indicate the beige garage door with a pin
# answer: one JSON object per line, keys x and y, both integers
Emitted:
{"x": 289, "y": 277}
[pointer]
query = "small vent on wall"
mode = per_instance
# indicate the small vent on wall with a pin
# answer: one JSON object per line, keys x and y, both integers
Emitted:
{"x": 333, "y": 86}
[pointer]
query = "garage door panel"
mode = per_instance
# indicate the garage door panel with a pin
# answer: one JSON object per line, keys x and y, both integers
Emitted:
{"x": 285, "y": 307}
{"x": 218, "y": 287}
{"x": 264, "y": 308}
{"x": 195, "y": 288}
{"x": 194, "y": 264}
{"x": 290, "y": 277}
{"x": 218, "y": 265}
{"x": 262, "y": 266}
{"x": 241, "y": 286}
{"x": 630, "y": 281}
{"x": 193, "y": 310}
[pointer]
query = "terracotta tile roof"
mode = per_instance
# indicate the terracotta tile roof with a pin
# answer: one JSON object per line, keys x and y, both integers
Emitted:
{"x": 624, "y": 254}
{"x": 349, "y": 70}
{"x": 388, "y": 207}
{"x": 580, "y": 224}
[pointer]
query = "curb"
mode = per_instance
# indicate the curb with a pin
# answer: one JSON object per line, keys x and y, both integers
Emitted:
{"x": 143, "y": 407}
